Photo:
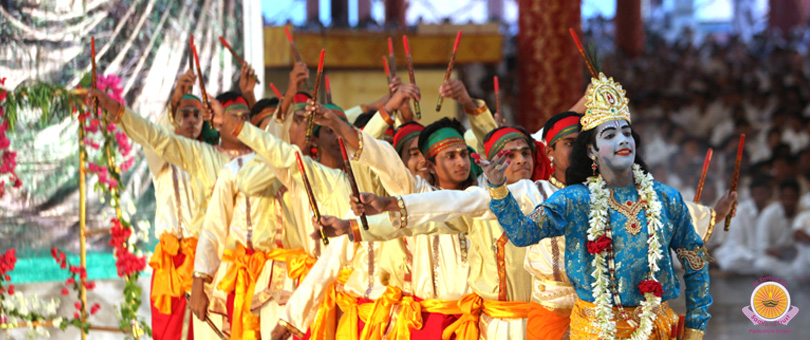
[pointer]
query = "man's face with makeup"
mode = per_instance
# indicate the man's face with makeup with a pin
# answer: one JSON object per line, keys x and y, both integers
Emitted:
{"x": 521, "y": 161}
{"x": 615, "y": 146}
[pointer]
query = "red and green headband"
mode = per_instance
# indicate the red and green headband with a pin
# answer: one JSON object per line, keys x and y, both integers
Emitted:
{"x": 406, "y": 134}
{"x": 562, "y": 128}
{"x": 500, "y": 138}
{"x": 237, "y": 103}
{"x": 441, "y": 140}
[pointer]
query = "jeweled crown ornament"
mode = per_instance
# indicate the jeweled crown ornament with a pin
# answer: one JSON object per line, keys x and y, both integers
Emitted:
{"x": 605, "y": 102}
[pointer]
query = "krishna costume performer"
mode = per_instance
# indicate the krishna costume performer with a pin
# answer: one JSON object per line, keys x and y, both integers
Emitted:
{"x": 622, "y": 229}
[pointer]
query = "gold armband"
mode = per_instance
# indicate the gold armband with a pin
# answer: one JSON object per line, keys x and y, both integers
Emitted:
{"x": 205, "y": 277}
{"x": 291, "y": 328}
{"x": 483, "y": 108}
{"x": 403, "y": 212}
{"x": 359, "y": 150}
{"x": 692, "y": 334}
{"x": 498, "y": 193}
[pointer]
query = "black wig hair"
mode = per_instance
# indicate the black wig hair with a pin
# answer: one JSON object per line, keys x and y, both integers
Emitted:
{"x": 579, "y": 168}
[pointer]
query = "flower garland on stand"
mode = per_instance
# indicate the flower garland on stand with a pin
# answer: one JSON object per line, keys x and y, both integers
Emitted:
{"x": 8, "y": 158}
{"x": 114, "y": 152}
{"x": 600, "y": 244}
{"x": 18, "y": 310}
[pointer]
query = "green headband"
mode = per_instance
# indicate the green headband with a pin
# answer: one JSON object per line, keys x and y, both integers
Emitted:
{"x": 236, "y": 106}
{"x": 441, "y": 139}
{"x": 192, "y": 97}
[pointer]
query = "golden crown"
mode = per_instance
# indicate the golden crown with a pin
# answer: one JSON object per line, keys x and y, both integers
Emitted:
{"x": 605, "y": 102}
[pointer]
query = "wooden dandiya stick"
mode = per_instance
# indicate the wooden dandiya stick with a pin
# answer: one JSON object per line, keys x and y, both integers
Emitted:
{"x": 703, "y": 173}
{"x": 681, "y": 325}
{"x": 191, "y": 55}
{"x": 391, "y": 60}
{"x": 311, "y": 117}
{"x": 497, "y": 97}
{"x": 312, "y": 203}
{"x": 736, "y": 177}
{"x": 201, "y": 81}
{"x": 449, "y": 69}
{"x": 275, "y": 90}
{"x": 209, "y": 322}
{"x": 387, "y": 74}
{"x": 582, "y": 52}
{"x": 237, "y": 57}
{"x": 416, "y": 108}
{"x": 347, "y": 167}
{"x": 328, "y": 89}
{"x": 295, "y": 50}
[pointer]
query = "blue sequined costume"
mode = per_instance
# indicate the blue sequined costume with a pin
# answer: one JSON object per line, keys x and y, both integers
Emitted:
{"x": 566, "y": 213}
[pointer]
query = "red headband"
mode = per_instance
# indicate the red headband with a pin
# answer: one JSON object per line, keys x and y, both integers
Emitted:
{"x": 567, "y": 125}
{"x": 301, "y": 98}
{"x": 500, "y": 138}
{"x": 405, "y": 134}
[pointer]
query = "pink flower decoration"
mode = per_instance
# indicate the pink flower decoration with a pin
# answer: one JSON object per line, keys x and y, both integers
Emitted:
{"x": 126, "y": 165}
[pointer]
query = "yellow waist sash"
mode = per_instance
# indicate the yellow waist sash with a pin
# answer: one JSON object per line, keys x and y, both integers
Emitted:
{"x": 241, "y": 280}
{"x": 472, "y": 305}
{"x": 410, "y": 314}
{"x": 326, "y": 321}
{"x": 173, "y": 281}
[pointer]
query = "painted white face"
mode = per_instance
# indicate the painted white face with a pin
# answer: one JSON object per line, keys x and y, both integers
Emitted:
{"x": 617, "y": 148}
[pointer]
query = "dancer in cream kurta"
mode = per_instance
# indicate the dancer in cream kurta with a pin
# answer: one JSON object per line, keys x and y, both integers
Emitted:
{"x": 331, "y": 189}
{"x": 199, "y": 160}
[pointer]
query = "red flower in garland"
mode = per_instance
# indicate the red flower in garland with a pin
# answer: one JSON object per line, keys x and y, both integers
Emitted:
{"x": 651, "y": 286}
{"x": 126, "y": 262}
{"x": 8, "y": 260}
{"x": 602, "y": 243}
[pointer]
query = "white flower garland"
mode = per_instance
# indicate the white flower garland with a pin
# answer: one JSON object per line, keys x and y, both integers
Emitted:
{"x": 598, "y": 216}
{"x": 19, "y": 309}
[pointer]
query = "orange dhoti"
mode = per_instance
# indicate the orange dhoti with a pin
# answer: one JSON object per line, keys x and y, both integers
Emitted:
{"x": 545, "y": 324}
{"x": 583, "y": 321}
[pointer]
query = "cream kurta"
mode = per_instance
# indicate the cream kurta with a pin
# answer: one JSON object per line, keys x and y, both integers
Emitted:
{"x": 438, "y": 260}
{"x": 201, "y": 161}
{"x": 234, "y": 218}
{"x": 173, "y": 194}
{"x": 331, "y": 189}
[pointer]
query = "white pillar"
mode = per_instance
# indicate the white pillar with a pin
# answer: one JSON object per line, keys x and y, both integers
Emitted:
{"x": 253, "y": 31}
